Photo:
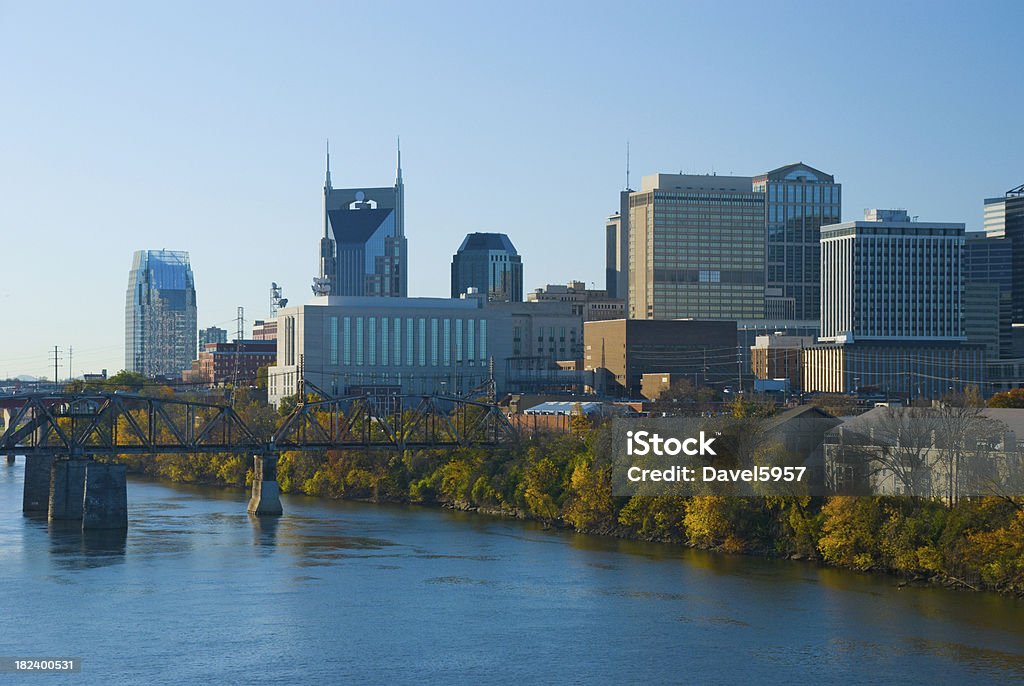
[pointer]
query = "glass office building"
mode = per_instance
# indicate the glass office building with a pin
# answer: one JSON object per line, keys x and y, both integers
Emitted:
{"x": 160, "y": 314}
{"x": 363, "y": 250}
{"x": 799, "y": 200}
{"x": 488, "y": 262}
{"x": 1004, "y": 218}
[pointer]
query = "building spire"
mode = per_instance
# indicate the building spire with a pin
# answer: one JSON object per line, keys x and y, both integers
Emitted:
{"x": 327, "y": 180}
{"x": 399, "y": 180}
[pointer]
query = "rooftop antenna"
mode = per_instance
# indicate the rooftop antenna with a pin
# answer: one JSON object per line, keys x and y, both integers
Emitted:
{"x": 627, "y": 165}
{"x": 327, "y": 180}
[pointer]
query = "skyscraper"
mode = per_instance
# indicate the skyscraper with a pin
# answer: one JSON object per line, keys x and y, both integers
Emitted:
{"x": 891, "y": 309}
{"x": 363, "y": 250}
{"x": 488, "y": 262}
{"x": 696, "y": 248}
{"x": 988, "y": 294}
{"x": 160, "y": 314}
{"x": 1004, "y": 218}
{"x": 799, "y": 200}
{"x": 616, "y": 266}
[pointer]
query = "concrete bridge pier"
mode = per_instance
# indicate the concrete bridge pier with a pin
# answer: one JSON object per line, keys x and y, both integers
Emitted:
{"x": 36, "y": 498}
{"x": 105, "y": 503}
{"x": 67, "y": 489}
{"x": 266, "y": 495}
{"x": 10, "y": 459}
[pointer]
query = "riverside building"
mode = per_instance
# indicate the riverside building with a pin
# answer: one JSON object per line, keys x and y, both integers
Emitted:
{"x": 357, "y": 345}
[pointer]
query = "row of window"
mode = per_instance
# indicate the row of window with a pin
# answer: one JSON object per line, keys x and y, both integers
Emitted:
{"x": 397, "y": 341}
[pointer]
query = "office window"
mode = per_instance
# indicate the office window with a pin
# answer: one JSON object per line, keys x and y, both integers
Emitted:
{"x": 409, "y": 337}
{"x": 433, "y": 342}
{"x": 333, "y": 333}
{"x": 470, "y": 340}
{"x": 384, "y": 341}
{"x": 447, "y": 342}
{"x": 359, "y": 341}
{"x": 483, "y": 339}
{"x": 346, "y": 340}
{"x": 372, "y": 355}
{"x": 422, "y": 338}
{"x": 398, "y": 341}
{"x": 458, "y": 341}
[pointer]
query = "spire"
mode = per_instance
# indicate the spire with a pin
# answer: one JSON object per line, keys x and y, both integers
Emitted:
{"x": 327, "y": 180}
{"x": 399, "y": 180}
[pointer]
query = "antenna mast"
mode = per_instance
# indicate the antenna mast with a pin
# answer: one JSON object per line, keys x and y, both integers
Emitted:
{"x": 627, "y": 165}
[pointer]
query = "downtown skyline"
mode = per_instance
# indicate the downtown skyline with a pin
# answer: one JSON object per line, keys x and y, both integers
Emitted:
{"x": 160, "y": 130}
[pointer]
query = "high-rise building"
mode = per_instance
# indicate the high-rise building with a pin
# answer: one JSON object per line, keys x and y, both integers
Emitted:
{"x": 696, "y": 248}
{"x": 616, "y": 267}
{"x": 160, "y": 314}
{"x": 891, "y": 309}
{"x": 799, "y": 200}
{"x": 489, "y": 263}
{"x": 1004, "y": 218}
{"x": 988, "y": 294}
{"x": 363, "y": 250}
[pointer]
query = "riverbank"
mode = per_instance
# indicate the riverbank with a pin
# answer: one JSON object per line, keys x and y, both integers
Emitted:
{"x": 976, "y": 545}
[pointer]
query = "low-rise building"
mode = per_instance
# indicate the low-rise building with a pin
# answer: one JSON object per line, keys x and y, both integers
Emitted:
{"x": 445, "y": 346}
{"x": 777, "y": 356}
{"x": 234, "y": 362}
{"x": 621, "y": 351}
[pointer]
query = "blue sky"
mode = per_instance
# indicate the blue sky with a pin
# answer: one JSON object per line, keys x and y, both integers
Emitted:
{"x": 201, "y": 127}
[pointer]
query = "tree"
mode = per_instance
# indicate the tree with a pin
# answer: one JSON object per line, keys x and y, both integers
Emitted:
{"x": 1013, "y": 398}
{"x": 590, "y": 492}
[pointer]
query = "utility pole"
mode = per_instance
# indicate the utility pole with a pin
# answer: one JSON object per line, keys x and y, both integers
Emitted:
{"x": 56, "y": 357}
{"x": 71, "y": 351}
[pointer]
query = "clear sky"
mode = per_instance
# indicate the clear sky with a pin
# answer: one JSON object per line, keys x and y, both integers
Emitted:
{"x": 201, "y": 127}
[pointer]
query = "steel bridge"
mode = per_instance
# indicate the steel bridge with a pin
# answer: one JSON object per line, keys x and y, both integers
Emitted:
{"x": 61, "y": 433}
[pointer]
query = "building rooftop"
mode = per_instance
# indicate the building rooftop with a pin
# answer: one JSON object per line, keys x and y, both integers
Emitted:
{"x": 487, "y": 241}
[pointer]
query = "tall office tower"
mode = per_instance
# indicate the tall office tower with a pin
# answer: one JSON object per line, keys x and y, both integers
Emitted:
{"x": 891, "y": 309}
{"x": 616, "y": 263}
{"x": 488, "y": 262}
{"x": 889, "y": 278}
{"x": 160, "y": 314}
{"x": 988, "y": 294}
{"x": 1004, "y": 218}
{"x": 799, "y": 200}
{"x": 696, "y": 248}
{"x": 363, "y": 250}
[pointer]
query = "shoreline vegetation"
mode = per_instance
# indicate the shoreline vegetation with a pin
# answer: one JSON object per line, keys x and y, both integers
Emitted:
{"x": 561, "y": 480}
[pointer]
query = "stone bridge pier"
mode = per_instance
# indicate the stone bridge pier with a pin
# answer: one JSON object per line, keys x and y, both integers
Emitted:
{"x": 266, "y": 495}
{"x": 93, "y": 493}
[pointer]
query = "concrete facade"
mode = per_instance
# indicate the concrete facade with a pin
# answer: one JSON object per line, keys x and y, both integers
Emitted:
{"x": 417, "y": 345}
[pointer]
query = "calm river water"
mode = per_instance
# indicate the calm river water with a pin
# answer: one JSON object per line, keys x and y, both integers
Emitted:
{"x": 198, "y": 592}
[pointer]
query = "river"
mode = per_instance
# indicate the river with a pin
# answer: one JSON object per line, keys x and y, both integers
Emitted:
{"x": 338, "y": 592}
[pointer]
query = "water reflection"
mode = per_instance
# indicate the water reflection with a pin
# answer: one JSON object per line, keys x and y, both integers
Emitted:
{"x": 264, "y": 530}
{"x": 74, "y": 548}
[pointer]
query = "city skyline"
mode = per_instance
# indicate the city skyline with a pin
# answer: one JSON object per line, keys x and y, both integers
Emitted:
{"x": 218, "y": 150}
